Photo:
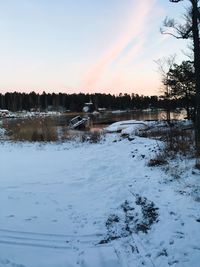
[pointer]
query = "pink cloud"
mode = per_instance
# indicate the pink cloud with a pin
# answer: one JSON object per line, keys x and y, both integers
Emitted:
{"x": 132, "y": 53}
{"x": 134, "y": 28}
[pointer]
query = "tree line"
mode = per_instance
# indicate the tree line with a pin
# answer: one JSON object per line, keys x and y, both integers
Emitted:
{"x": 75, "y": 102}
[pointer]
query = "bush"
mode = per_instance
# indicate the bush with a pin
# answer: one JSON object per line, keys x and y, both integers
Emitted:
{"x": 159, "y": 160}
{"x": 197, "y": 165}
{"x": 92, "y": 137}
{"x": 176, "y": 138}
{"x": 177, "y": 141}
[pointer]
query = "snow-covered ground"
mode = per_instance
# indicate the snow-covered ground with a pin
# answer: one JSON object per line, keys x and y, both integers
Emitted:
{"x": 96, "y": 205}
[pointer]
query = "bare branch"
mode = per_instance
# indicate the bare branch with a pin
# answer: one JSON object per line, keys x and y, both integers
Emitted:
{"x": 169, "y": 33}
{"x": 165, "y": 63}
{"x": 175, "y": 1}
{"x": 177, "y": 30}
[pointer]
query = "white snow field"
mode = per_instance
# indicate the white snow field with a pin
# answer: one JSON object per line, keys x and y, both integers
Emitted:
{"x": 96, "y": 205}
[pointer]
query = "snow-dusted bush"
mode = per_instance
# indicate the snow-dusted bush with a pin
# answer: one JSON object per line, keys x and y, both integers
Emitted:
{"x": 92, "y": 137}
{"x": 158, "y": 160}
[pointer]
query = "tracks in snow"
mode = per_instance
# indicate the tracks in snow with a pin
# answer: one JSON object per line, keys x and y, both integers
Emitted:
{"x": 47, "y": 240}
{"x": 83, "y": 250}
{"x": 72, "y": 242}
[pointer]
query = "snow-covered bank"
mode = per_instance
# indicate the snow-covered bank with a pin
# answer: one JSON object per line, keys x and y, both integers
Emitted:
{"x": 93, "y": 205}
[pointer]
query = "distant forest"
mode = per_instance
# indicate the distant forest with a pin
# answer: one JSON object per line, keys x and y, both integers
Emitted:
{"x": 75, "y": 102}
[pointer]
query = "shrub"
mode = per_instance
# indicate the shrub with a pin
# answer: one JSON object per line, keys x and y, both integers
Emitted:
{"x": 176, "y": 138}
{"x": 177, "y": 141}
{"x": 91, "y": 137}
{"x": 197, "y": 165}
{"x": 158, "y": 160}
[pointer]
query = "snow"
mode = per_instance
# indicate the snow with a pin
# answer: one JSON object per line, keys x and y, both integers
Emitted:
{"x": 129, "y": 124}
{"x": 118, "y": 111}
{"x": 81, "y": 204}
{"x": 133, "y": 127}
{"x": 28, "y": 114}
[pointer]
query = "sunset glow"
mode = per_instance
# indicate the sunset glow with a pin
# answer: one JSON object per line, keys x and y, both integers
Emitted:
{"x": 79, "y": 46}
{"x": 134, "y": 28}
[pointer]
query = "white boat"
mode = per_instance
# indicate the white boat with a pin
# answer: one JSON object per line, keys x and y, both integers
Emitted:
{"x": 78, "y": 123}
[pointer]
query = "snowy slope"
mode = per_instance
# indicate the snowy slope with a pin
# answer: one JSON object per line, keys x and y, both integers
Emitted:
{"x": 57, "y": 199}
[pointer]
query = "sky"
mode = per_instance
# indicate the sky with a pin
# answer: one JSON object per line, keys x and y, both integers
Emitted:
{"x": 89, "y": 46}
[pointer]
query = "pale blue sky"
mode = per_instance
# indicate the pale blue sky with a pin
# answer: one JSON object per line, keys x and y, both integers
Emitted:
{"x": 84, "y": 45}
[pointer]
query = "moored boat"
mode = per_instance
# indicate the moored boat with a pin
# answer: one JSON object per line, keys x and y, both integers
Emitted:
{"x": 78, "y": 123}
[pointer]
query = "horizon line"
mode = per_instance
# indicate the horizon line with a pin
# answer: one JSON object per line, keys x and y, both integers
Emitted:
{"x": 75, "y": 93}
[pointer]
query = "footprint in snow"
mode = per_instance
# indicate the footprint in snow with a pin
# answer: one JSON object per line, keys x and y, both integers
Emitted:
{"x": 172, "y": 213}
{"x": 162, "y": 253}
{"x": 179, "y": 234}
{"x": 172, "y": 262}
{"x": 28, "y": 219}
{"x": 171, "y": 242}
{"x": 31, "y": 218}
{"x": 196, "y": 248}
{"x": 11, "y": 216}
{"x": 9, "y": 263}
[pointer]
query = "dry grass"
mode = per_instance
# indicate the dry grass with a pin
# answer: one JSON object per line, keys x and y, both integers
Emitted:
{"x": 36, "y": 129}
{"x": 44, "y": 129}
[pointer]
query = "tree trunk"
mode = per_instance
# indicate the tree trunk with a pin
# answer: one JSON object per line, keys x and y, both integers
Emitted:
{"x": 187, "y": 105}
{"x": 195, "y": 31}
